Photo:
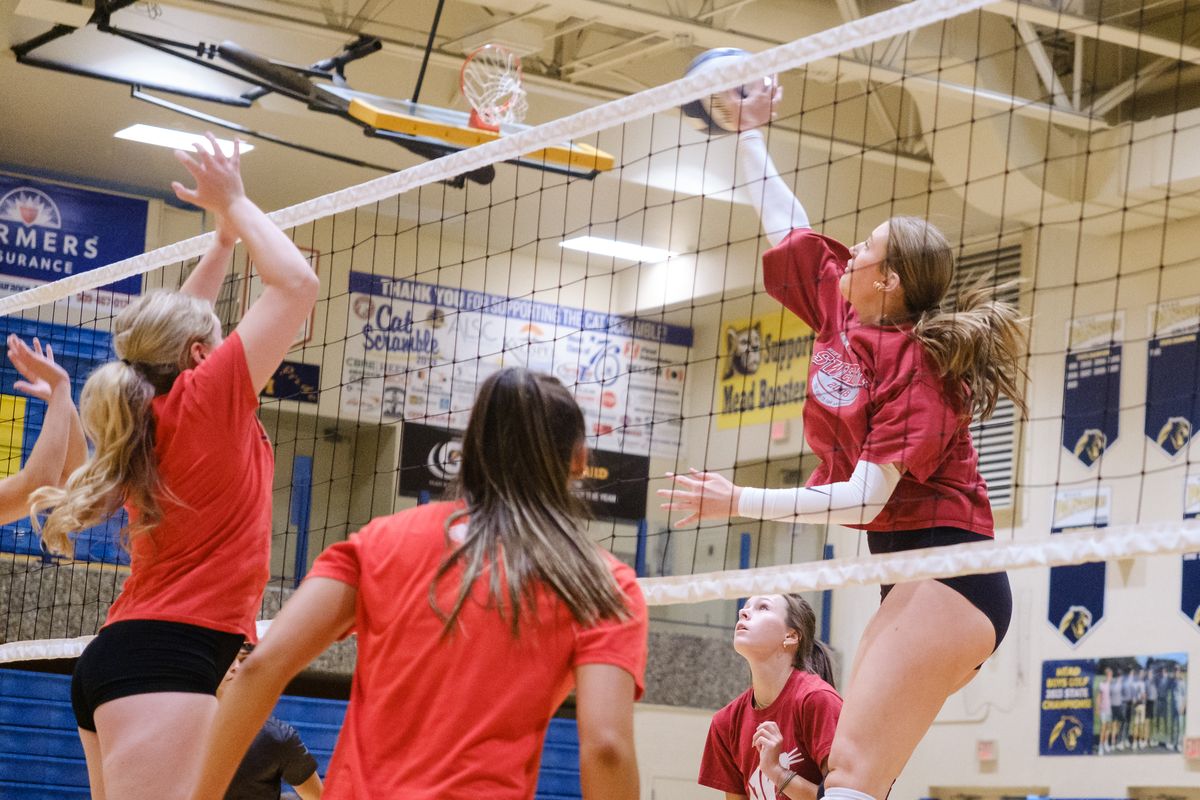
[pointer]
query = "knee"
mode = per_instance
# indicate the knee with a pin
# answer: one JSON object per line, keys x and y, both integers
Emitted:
{"x": 850, "y": 767}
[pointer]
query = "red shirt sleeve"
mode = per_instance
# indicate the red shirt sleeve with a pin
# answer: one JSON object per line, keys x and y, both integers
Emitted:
{"x": 915, "y": 425}
{"x": 818, "y": 721}
{"x": 339, "y": 562}
{"x": 718, "y": 765}
{"x": 619, "y": 643}
{"x": 219, "y": 389}
{"x": 802, "y": 272}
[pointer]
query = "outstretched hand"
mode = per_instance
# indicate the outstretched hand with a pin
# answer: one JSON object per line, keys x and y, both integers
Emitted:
{"x": 706, "y": 495}
{"x": 753, "y": 105}
{"x": 40, "y": 374}
{"x": 218, "y": 177}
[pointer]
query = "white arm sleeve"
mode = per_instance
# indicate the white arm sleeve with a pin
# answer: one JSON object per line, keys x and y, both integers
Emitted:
{"x": 777, "y": 207}
{"x": 853, "y": 502}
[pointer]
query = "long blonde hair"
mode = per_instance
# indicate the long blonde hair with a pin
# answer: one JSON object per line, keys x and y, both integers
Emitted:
{"x": 978, "y": 345}
{"x": 152, "y": 338}
{"x": 525, "y": 523}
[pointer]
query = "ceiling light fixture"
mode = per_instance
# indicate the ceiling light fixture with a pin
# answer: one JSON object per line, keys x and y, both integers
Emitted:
{"x": 176, "y": 140}
{"x": 623, "y": 250}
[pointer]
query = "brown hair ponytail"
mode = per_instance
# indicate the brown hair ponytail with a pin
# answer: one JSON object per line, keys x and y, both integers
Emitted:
{"x": 977, "y": 346}
{"x": 812, "y": 655}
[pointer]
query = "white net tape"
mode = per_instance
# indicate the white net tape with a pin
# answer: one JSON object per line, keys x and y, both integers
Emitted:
{"x": 859, "y": 33}
{"x": 1129, "y": 541}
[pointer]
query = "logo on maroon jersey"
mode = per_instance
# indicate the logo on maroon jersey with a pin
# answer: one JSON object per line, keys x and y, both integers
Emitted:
{"x": 835, "y": 381}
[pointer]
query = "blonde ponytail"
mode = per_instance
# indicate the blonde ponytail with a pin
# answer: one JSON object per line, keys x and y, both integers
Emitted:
{"x": 153, "y": 337}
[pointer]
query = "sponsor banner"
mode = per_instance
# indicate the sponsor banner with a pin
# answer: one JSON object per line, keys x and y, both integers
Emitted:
{"x": 429, "y": 459}
{"x": 49, "y": 231}
{"x": 418, "y": 351}
{"x": 295, "y": 380}
{"x": 762, "y": 365}
{"x": 1092, "y": 386}
{"x": 615, "y": 485}
{"x": 1125, "y": 705}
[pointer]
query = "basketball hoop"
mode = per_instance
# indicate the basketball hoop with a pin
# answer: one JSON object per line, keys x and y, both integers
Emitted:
{"x": 491, "y": 82}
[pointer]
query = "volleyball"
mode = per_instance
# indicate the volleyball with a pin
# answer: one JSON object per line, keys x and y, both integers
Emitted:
{"x": 700, "y": 112}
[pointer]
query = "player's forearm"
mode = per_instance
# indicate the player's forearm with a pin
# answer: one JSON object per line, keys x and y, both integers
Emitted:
{"x": 44, "y": 466}
{"x": 77, "y": 449}
{"x": 208, "y": 275}
{"x": 780, "y": 211}
{"x": 853, "y": 502}
{"x": 608, "y": 771}
{"x": 243, "y": 710}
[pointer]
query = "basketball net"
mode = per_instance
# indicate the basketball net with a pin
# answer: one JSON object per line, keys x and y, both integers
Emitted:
{"x": 491, "y": 81}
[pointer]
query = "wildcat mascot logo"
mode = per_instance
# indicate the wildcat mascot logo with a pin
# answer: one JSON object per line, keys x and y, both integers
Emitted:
{"x": 1174, "y": 436}
{"x": 1091, "y": 446}
{"x": 1069, "y": 729}
{"x": 744, "y": 346}
{"x": 1075, "y": 623}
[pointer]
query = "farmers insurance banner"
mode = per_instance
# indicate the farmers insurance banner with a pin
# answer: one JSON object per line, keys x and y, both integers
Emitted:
{"x": 762, "y": 370}
{"x": 48, "y": 231}
{"x": 1092, "y": 388}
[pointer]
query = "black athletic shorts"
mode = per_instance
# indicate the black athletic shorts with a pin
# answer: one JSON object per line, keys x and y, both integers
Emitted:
{"x": 142, "y": 656}
{"x": 990, "y": 593}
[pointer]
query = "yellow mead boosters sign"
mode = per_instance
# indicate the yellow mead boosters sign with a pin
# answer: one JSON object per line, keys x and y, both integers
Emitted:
{"x": 762, "y": 369}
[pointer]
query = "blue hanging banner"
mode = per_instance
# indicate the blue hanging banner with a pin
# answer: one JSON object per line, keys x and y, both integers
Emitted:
{"x": 1076, "y": 603}
{"x": 1092, "y": 386}
{"x": 1173, "y": 374}
{"x": 1189, "y": 594}
{"x": 49, "y": 231}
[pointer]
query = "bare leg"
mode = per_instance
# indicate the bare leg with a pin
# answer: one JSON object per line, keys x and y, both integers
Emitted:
{"x": 153, "y": 743}
{"x": 922, "y": 645}
{"x": 95, "y": 762}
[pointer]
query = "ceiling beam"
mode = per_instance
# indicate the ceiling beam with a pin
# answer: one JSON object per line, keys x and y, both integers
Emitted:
{"x": 1042, "y": 63}
{"x": 1095, "y": 29}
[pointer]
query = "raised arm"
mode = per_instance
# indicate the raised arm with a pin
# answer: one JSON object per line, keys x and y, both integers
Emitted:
{"x": 209, "y": 273}
{"x": 46, "y": 380}
{"x": 318, "y": 613}
{"x": 857, "y": 501}
{"x": 269, "y": 326}
{"x": 604, "y": 707}
{"x": 757, "y": 179}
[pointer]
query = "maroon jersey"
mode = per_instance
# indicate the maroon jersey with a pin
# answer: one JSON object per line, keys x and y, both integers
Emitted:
{"x": 875, "y": 395}
{"x": 806, "y": 712}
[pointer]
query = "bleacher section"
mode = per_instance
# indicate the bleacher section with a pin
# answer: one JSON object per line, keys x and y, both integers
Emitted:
{"x": 41, "y": 757}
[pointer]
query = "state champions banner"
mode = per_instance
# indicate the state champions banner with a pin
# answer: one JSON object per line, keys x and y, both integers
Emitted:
{"x": 1092, "y": 385}
{"x": 1114, "y": 706}
{"x": 50, "y": 231}
{"x": 1173, "y": 374}
{"x": 762, "y": 369}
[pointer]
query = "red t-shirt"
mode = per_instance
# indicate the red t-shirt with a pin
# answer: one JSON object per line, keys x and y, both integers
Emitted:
{"x": 806, "y": 712}
{"x": 875, "y": 395}
{"x": 208, "y": 561}
{"x": 433, "y": 718}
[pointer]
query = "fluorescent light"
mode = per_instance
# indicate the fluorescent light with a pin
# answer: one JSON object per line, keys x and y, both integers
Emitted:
{"x": 611, "y": 247}
{"x": 176, "y": 140}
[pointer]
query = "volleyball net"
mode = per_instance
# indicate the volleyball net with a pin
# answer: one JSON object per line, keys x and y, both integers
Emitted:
{"x": 641, "y": 290}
